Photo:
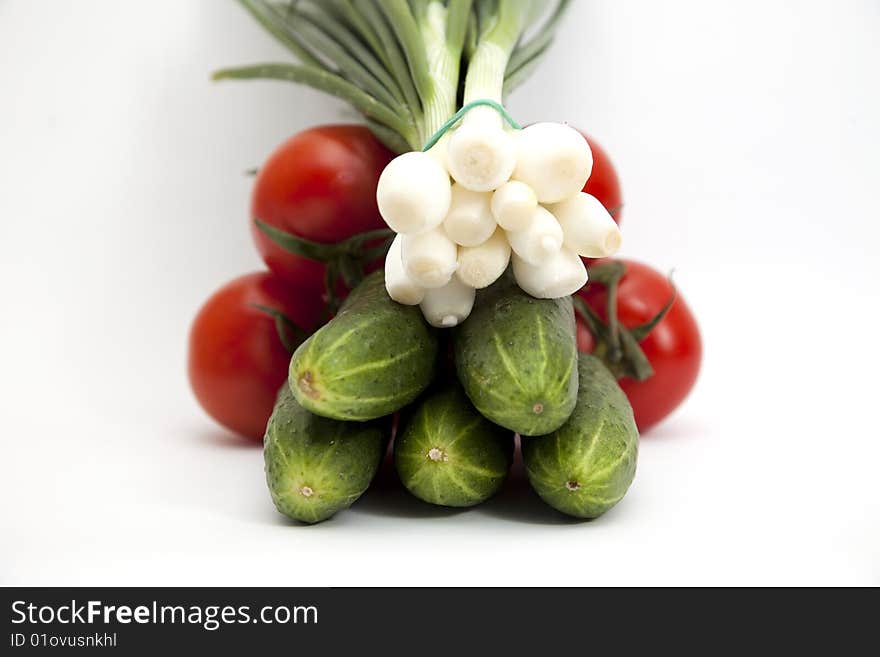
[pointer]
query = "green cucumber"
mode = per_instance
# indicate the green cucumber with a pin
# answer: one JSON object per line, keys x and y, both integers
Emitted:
{"x": 585, "y": 468}
{"x": 315, "y": 467}
{"x": 516, "y": 357}
{"x": 372, "y": 359}
{"x": 446, "y": 453}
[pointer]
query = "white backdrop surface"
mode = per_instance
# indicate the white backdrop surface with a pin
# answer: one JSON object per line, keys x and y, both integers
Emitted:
{"x": 747, "y": 139}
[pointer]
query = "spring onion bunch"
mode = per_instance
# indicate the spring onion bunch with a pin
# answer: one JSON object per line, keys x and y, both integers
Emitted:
{"x": 471, "y": 193}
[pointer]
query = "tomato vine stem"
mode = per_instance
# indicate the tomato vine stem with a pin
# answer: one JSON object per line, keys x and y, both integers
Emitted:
{"x": 344, "y": 261}
{"x": 616, "y": 345}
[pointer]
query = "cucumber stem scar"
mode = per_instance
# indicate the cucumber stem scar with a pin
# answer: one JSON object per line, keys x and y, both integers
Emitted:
{"x": 436, "y": 454}
{"x": 306, "y": 491}
{"x": 305, "y": 384}
{"x": 538, "y": 408}
{"x": 572, "y": 485}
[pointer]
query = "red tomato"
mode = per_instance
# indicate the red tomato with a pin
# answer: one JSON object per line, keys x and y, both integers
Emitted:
{"x": 320, "y": 185}
{"x": 603, "y": 182}
{"x": 585, "y": 340}
{"x": 673, "y": 347}
{"x": 237, "y": 362}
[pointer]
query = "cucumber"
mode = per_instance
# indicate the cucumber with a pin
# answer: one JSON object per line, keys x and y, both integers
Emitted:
{"x": 516, "y": 357}
{"x": 446, "y": 453}
{"x": 372, "y": 359}
{"x": 315, "y": 467}
{"x": 585, "y": 468}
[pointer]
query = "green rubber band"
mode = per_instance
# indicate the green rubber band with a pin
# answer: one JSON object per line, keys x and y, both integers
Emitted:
{"x": 446, "y": 127}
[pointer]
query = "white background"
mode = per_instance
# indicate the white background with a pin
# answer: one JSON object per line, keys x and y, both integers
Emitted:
{"x": 747, "y": 138}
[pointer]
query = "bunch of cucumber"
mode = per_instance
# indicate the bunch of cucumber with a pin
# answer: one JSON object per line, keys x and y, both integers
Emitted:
{"x": 517, "y": 371}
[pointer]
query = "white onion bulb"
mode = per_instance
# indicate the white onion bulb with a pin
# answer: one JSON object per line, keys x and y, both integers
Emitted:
{"x": 413, "y": 193}
{"x": 480, "y": 266}
{"x": 560, "y": 275}
{"x": 553, "y": 159}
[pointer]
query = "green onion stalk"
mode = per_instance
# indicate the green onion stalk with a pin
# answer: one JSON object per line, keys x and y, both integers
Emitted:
{"x": 407, "y": 65}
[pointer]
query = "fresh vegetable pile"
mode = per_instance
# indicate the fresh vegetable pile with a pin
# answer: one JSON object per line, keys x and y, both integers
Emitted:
{"x": 492, "y": 230}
